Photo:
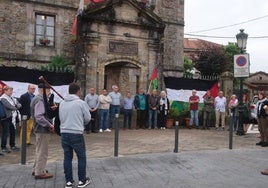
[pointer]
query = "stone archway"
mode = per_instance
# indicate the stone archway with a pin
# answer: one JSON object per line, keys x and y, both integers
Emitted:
{"x": 124, "y": 74}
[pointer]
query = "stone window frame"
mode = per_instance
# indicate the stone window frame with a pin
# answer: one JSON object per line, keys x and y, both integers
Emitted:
{"x": 45, "y": 29}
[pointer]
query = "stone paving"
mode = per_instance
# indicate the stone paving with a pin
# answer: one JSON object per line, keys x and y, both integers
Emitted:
{"x": 142, "y": 142}
{"x": 146, "y": 159}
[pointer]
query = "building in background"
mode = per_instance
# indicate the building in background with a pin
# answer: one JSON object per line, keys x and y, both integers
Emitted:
{"x": 118, "y": 42}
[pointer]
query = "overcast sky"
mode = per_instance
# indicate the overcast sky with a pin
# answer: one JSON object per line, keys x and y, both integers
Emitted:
{"x": 209, "y": 14}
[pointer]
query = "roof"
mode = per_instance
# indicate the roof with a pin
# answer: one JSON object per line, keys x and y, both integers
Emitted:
{"x": 195, "y": 44}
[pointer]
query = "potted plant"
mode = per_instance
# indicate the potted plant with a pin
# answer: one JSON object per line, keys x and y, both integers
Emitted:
{"x": 44, "y": 41}
{"x": 184, "y": 117}
{"x": 171, "y": 117}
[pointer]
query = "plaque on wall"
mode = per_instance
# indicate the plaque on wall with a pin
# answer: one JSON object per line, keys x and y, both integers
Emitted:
{"x": 123, "y": 47}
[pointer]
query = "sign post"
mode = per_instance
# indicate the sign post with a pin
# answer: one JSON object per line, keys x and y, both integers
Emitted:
{"x": 241, "y": 65}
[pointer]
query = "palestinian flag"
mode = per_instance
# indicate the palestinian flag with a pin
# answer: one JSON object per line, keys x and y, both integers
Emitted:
{"x": 180, "y": 89}
{"x": 154, "y": 81}
{"x": 19, "y": 78}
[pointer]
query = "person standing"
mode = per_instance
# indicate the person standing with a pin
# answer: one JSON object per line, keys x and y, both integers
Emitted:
{"x": 74, "y": 115}
{"x": 92, "y": 100}
{"x": 115, "y": 105}
{"x": 163, "y": 109}
{"x": 194, "y": 101}
{"x": 128, "y": 108}
{"x": 25, "y": 100}
{"x": 220, "y": 109}
{"x": 43, "y": 126}
{"x": 153, "y": 103}
{"x": 1, "y": 92}
{"x": 262, "y": 118}
{"x": 140, "y": 104}
{"x": 233, "y": 107}
{"x": 207, "y": 109}
{"x": 246, "y": 113}
{"x": 11, "y": 106}
{"x": 105, "y": 101}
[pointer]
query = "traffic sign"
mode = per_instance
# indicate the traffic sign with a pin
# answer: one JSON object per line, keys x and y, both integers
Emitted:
{"x": 241, "y": 65}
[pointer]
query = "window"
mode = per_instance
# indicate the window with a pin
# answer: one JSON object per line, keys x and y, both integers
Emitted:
{"x": 44, "y": 30}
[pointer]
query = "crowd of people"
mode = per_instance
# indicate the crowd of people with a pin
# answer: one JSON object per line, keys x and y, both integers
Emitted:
{"x": 96, "y": 114}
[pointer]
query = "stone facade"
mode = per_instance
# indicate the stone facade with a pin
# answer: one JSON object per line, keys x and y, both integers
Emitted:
{"x": 17, "y": 31}
{"x": 118, "y": 42}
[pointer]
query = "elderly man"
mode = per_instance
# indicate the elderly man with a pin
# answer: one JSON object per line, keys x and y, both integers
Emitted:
{"x": 194, "y": 101}
{"x": 92, "y": 100}
{"x": 42, "y": 127}
{"x": 220, "y": 109}
{"x": 25, "y": 100}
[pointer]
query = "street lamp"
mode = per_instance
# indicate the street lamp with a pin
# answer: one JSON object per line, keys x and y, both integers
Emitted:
{"x": 242, "y": 44}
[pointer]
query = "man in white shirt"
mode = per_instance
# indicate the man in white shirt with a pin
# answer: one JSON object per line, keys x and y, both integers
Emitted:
{"x": 220, "y": 109}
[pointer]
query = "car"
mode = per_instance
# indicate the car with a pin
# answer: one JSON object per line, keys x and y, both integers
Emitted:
{"x": 253, "y": 109}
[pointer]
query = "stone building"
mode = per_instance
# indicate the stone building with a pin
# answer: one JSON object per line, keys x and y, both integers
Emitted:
{"x": 118, "y": 41}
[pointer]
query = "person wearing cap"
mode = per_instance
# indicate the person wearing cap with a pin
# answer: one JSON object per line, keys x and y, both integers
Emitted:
{"x": 11, "y": 106}
{"x": 194, "y": 100}
{"x": 43, "y": 126}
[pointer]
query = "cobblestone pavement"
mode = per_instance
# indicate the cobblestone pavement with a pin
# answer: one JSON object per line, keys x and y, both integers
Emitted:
{"x": 146, "y": 159}
{"x": 142, "y": 142}
{"x": 238, "y": 168}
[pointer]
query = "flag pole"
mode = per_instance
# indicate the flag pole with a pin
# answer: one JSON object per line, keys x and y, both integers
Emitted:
{"x": 149, "y": 88}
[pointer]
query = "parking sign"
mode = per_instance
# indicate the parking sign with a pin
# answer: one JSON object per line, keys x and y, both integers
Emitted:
{"x": 241, "y": 65}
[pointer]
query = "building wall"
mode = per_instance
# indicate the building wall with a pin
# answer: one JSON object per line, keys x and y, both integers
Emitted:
{"x": 18, "y": 48}
{"x": 17, "y": 31}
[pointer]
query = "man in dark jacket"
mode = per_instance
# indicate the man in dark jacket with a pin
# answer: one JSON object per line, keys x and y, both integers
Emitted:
{"x": 153, "y": 103}
{"x": 25, "y": 100}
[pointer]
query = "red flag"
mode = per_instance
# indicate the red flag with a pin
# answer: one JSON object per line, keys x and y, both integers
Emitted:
{"x": 154, "y": 74}
{"x": 213, "y": 90}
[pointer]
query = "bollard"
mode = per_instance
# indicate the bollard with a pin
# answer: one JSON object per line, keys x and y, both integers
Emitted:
{"x": 116, "y": 134}
{"x": 23, "y": 140}
{"x": 176, "y": 136}
{"x": 231, "y": 133}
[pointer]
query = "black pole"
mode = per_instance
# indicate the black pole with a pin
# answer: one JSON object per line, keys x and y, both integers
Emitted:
{"x": 240, "y": 130}
{"x": 176, "y": 137}
{"x": 116, "y": 135}
{"x": 231, "y": 132}
{"x": 23, "y": 140}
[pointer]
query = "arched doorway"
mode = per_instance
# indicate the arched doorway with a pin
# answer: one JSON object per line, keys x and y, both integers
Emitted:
{"x": 124, "y": 74}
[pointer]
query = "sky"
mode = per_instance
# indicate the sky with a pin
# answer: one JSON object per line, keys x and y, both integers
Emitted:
{"x": 209, "y": 14}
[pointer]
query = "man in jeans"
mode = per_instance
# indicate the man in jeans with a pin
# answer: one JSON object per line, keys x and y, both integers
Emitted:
{"x": 74, "y": 115}
{"x": 153, "y": 103}
{"x": 194, "y": 100}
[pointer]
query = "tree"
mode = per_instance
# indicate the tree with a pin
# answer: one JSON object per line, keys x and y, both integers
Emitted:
{"x": 188, "y": 66}
{"x": 231, "y": 49}
{"x": 211, "y": 60}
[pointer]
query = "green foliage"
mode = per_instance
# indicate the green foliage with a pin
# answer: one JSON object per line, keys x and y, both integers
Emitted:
{"x": 58, "y": 64}
{"x": 212, "y": 60}
{"x": 188, "y": 66}
{"x": 231, "y": 49}
{"x": 173, "y": 113}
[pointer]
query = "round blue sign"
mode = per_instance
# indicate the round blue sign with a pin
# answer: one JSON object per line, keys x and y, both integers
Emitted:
{"x": 241, "y": 61}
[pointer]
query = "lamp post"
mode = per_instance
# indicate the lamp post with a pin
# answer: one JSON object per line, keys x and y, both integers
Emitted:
{"x": 241, "y": 43}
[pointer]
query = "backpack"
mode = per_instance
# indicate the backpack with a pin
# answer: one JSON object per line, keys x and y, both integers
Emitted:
{"x": 2, "y": 111}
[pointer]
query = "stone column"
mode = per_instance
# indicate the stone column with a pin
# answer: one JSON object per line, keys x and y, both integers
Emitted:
{"x": 226, "y": 84}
